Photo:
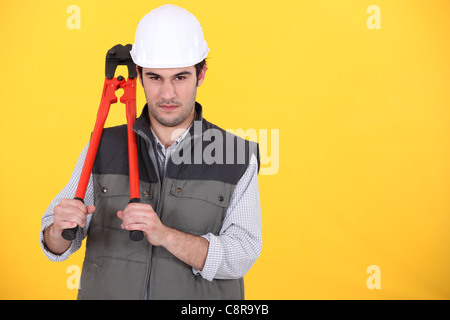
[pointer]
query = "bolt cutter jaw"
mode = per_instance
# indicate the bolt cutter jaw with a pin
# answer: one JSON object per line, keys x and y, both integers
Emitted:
{"x": 119, "y": 55}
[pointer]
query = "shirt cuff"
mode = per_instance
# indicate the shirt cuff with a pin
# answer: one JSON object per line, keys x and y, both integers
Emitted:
{"x": 50, "y": 255}
{"x": 213, "y": 258}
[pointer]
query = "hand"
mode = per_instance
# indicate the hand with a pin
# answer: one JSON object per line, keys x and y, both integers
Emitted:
{"x": 69, "y": 213}
{"x": 140, "y": 216}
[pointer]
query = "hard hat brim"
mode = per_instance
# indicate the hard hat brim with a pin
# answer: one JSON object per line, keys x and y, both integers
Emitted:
{"x": 159, "y": 65}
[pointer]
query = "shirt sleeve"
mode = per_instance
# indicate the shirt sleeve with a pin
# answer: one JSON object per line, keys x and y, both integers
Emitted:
{"x": 68, "y": 193}
{"x": 238, "y": 245}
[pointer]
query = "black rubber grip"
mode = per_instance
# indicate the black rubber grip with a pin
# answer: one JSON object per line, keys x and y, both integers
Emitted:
{"x": 136, "y": 235}
{"x": 70, "y": 234}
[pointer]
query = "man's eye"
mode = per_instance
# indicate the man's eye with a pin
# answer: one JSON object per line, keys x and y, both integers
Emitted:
{"x": 180, "y": 78}
{"x": 154, "y": 78}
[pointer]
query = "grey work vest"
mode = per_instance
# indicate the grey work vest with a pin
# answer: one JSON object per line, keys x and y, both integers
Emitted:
{"x": 192, "y": 197}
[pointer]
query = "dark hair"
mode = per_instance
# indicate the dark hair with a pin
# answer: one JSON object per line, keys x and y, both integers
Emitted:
{"x": 198, "y": 67}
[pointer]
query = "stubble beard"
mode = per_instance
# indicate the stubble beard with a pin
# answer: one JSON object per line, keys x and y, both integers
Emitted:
{"x": 172, "y": 122}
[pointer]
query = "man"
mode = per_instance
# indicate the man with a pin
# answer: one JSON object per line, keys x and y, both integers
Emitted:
{"x": 201, "y": 219}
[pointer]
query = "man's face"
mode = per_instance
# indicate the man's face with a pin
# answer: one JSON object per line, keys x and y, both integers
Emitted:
{"x": 171, "y": 93}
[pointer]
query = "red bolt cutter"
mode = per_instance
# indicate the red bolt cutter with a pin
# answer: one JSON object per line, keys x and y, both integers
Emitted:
{"x": 117, "y": 55}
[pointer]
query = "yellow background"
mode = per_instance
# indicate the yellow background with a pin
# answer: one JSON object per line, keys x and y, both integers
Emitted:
{"x": 363, "y": 118}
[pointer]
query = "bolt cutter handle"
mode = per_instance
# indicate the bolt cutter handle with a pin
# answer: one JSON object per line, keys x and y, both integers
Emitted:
{"x": 129, "y": 98}
{"x": 108, "y": 96}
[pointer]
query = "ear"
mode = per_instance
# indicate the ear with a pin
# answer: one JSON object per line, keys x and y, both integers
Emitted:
{"x": 201, "y": 76}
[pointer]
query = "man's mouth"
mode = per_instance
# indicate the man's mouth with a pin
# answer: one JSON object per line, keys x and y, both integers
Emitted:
{"x": 168, "y": 107}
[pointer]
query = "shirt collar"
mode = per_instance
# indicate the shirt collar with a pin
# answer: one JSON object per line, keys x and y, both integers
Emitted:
{"x": 161, "y": 146}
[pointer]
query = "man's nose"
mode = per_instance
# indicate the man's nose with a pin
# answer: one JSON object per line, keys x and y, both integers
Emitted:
{"x": 168, "y": 90}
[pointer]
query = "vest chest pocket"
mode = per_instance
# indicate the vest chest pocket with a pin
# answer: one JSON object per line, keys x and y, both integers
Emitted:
{"x": 107, "y": 186}
{"x": 112, "y": 193}
{"x": 196, "y": 206}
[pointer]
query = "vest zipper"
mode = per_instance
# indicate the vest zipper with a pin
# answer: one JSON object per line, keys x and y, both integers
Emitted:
{"x": 155, "y": 161}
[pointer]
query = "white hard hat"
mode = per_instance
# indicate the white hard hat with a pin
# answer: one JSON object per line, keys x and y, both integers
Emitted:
{"x": 169, "y": 37}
